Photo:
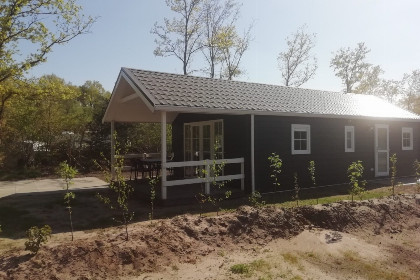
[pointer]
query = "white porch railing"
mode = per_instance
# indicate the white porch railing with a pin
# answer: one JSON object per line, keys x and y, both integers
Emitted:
{"x": 207, "y": 179}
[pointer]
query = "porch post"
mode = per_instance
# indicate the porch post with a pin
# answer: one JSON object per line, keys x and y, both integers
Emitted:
{"x": 163, "y": 154}
{"x": 112, "y": 150}
{"x": 252, "y": 154}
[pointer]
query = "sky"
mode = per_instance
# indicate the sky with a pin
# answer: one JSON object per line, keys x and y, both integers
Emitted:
{"x": 121, "y": 38}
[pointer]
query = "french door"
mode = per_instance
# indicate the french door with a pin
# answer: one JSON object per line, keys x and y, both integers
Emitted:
{"x": 202, "y": 140}
{"x": 381, "y": 150}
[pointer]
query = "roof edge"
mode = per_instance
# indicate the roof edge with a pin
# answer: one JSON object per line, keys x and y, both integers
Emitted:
{"x": 183, "y": 109}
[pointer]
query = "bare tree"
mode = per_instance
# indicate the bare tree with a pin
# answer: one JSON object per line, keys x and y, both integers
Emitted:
{"x": 180, "y": 36}
{"x": 351, "y": 67}
{"x": 216, "y": 16}
{"x": 232, "y": 48}
{"x": 297, "y": 65}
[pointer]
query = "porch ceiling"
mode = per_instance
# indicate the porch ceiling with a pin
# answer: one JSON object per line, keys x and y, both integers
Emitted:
{"x": 129, "y": 104}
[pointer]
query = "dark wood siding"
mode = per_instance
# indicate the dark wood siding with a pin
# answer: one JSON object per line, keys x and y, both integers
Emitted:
{"x": 273, "y": 134}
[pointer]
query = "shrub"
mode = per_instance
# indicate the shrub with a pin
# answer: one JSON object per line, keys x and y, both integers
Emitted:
{"x": 275, "y": 164}
{"x": 256, "y": 199}
{"x": 36, "y": 237}
{"x": 240, "y": 268}
{"x": 355, "y": 174}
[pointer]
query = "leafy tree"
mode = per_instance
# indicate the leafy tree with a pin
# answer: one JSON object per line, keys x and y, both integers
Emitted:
{"x": 42, "y": 112}
{"x": 39, "y": 24}
{"x": 297, "y": 65}
{"x": 67, "y": 173}
{"x": 217, "y": 15}
{"x": 351, "y": 67}
{"x": 232, "y": 48}
{"x": 411, "y": 91}
{"x": 355, "y": 174}
{"x": 65, "y": 119}
{"x": 389, "y": 89}
{"x": 180, "y": 35}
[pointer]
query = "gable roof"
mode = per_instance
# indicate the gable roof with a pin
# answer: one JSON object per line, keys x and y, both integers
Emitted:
{"x": 180, "y": 93}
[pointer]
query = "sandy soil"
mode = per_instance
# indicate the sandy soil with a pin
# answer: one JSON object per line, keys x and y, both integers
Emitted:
{"x": 375, "y": 239}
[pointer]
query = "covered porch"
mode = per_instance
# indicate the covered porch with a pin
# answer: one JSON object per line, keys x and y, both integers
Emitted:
{"x": 132, "y": 102}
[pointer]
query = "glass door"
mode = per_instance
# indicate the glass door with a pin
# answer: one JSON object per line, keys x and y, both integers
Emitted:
{"x": 202, "y": 140}
{"x": 381, "y": 150}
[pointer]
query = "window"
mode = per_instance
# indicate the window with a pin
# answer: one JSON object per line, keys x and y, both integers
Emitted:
{"x": 301, "y": 139}
{"x": 349, "y": 139}
{"x": 407, "y": 138}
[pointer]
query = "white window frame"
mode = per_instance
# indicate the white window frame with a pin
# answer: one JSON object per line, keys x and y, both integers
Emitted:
{"x": 307, "y": 129}
{"x": 350, "y": 129}
{"x": 410, "y": 131}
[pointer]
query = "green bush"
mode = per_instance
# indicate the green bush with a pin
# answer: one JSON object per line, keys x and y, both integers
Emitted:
{"x": 240, "y": 268}
{"x": 36, "y": 237}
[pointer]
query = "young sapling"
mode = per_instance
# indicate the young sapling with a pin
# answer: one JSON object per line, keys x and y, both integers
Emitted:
{"x": 393, "y": 160}
{"x": 275, "y": 164}
{"x": 120, "y": 191}
{"x": 355, "y": 174}
{"x": 416, "y": 166}
{"x": 296, "y": 188}
{"x": 311, "y": 169}
{"x": 67, "y": 173}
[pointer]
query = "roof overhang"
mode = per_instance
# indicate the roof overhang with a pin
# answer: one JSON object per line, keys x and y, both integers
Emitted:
{"x": 129, "y": 104}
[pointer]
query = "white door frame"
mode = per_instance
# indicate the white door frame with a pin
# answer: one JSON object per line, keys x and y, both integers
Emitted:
{"x": 377, "y": 151}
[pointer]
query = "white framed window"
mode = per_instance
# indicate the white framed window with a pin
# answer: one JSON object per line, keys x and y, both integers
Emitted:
{"x": 301, "y": 139}
{"x": 349, "y": 139}
{"x": 407, "y": 138}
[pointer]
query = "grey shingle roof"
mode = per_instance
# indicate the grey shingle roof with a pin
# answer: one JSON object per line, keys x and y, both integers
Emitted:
{"x": 190, "y": 92}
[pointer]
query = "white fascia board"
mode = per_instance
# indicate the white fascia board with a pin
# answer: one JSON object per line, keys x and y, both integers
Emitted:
{"x": 112, "y": 97}
{"x": 182, "y": 109}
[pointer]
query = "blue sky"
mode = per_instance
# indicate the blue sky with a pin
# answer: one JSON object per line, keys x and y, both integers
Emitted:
{"x": 121, "y": 38}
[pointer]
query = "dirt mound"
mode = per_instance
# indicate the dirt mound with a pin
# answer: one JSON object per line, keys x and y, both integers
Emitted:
{"x": 186, "y": 238}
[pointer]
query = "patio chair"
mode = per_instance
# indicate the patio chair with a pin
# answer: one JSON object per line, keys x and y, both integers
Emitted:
{"x": 144, "y": 167}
